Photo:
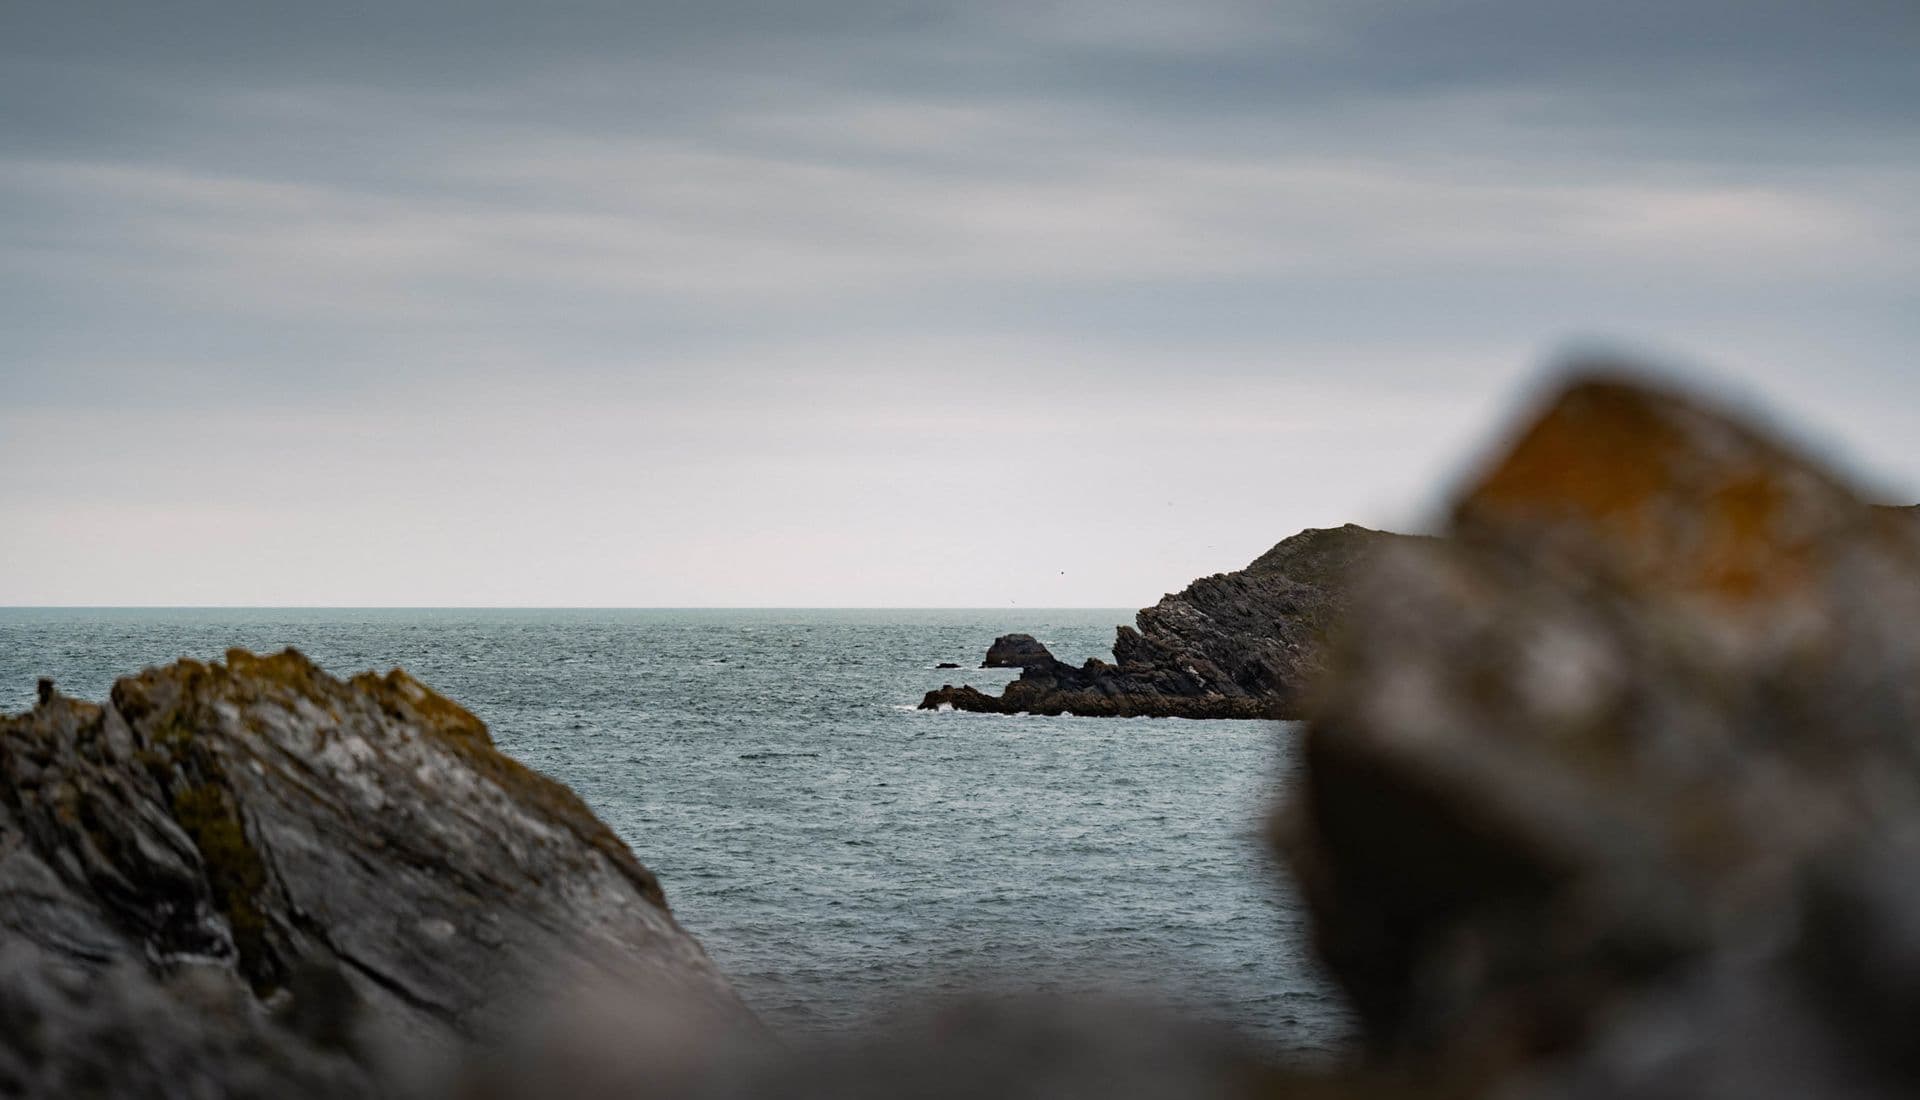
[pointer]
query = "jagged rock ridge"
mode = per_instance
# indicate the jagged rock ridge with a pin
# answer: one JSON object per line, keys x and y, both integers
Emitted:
{"x": 348, "y": 869}
{"x": 1233, "y": 645}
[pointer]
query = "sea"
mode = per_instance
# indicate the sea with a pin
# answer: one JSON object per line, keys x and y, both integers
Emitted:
{"x": 844, "y": 856}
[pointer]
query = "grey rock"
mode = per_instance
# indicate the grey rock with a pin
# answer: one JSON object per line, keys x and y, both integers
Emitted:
{"x": 1017, "y": 651}
{"x": 1615, "y": 790}
{"x": 1234, "y": 645}
{"x": 366, "y": 878}
{"x": 71, "y": 1028}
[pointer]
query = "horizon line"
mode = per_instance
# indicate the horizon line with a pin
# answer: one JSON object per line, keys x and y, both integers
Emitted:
{"x": 550, "y": 607}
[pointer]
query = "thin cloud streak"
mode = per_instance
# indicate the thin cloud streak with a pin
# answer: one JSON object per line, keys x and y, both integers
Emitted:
{"x": 683, "y": 222}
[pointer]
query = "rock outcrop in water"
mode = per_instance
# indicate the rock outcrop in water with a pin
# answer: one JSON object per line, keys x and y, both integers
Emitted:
{"x": 251, "y": 878}
{"x": 1233, "y": 645}
{"x": 1017, "y": 651}
{"x": 1615, "y": 791}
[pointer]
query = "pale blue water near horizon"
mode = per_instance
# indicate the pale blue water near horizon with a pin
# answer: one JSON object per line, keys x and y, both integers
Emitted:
{"x": 841, "y": 854}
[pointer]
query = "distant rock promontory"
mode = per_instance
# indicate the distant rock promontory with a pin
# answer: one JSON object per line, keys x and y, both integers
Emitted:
{"x": 1233, "y": 645}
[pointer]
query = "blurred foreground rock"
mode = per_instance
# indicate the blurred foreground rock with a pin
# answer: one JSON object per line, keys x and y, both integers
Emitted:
{"x": 1615, "y": 791}
{"x": 974, "y": 1048}
{"x": 251, "y": 878}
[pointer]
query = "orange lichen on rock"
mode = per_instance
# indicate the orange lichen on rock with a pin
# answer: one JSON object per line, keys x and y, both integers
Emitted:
{"x": 1664, "y": 494}
{"x": 1601, "y": 451}
{"x": 414, "y": 703}
{"x": 265, "y": 817}
{"x": 1625, "y": 765}
{"x": 435, "y": 715}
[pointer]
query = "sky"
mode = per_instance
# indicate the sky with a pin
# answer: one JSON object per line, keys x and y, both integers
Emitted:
{"x": 859, "y": 303}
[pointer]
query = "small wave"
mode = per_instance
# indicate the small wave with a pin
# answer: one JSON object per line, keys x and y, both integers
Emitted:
{"x": 773, "y": 755}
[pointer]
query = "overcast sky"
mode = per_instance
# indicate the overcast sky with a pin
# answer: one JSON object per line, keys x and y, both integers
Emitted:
{"x": 857, "y": 303}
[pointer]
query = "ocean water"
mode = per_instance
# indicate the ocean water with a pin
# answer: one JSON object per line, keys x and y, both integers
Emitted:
{"x": 842, "y": 855}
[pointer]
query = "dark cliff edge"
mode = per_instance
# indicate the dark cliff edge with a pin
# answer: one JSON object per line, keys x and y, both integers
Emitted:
{"x": 252, "y": 878}
{"x": 1234, "y": 645}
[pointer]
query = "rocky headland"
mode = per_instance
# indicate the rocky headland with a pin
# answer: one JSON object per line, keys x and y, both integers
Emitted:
{"x": 1234, "y": 645}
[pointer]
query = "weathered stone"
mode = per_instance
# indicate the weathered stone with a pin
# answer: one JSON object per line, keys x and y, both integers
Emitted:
{"x": 1594, "y": 779}
{"x": 1016, "y": 651}
{"x": 1233, "y": 645}
{"x": 354, "y": 855}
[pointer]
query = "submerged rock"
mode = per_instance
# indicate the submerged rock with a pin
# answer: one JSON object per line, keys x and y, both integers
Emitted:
{"x": 1233, "y": 645}
{"x": 1615, "y": 791}
{"x": 251, "y": 877}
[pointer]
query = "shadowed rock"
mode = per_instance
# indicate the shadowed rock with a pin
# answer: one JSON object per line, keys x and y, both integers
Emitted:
{"x": 1233, "y": 645}
{"x": 976, "y": 1047}
{"x": 1017, "y": 651}
{"x": 348, "y": 870}
{"x": 1615, "y": 789}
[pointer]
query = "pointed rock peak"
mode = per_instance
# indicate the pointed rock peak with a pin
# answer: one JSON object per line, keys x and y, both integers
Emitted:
{"x": 1661, "y": 491}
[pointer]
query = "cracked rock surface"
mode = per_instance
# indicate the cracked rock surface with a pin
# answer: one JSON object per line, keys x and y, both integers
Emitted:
{"x": 1234, "y": 645}
{"x": 321, "y": 877}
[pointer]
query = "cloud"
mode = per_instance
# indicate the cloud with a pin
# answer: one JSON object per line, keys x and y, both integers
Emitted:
{"x": 617, "y": 219}
{"x": 672, "y": 285}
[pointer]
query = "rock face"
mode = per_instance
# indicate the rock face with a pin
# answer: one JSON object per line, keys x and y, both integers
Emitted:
{"x": 252, "y": 878}
{"x": 1233, "y": 645}
{"x": 1017, "y": 651}
{"x": 1615, "y": 791}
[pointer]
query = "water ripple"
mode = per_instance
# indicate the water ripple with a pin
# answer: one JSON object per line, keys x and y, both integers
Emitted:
{"x": 837, "y": 850}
